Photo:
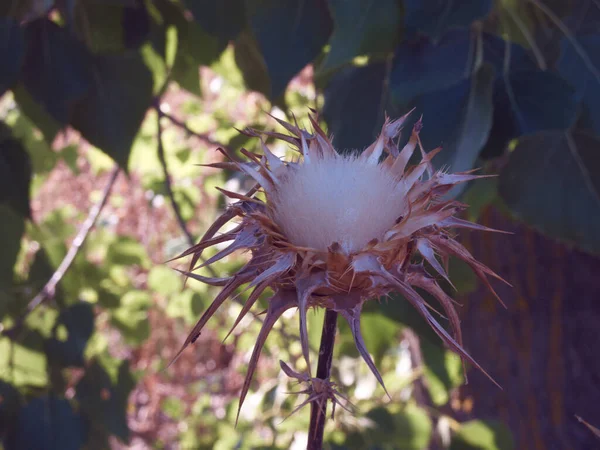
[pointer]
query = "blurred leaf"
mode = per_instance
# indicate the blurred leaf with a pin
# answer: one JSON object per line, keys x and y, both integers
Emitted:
{"x": 127, "y": 251}
{"x": 480, "y": 435}
{"x": 380, "y": 334}
{"x": 251, "y": 63}
{"x": 164, "y": 280}
{"x": 397, "y": 308}
{"x": 131, "y": 318}
{"x": 195, "y": 48}
{"x": 104, "y": 400}
{"x": 12, "y": 51}
{"x": 361, "y": 27}
{"x": 353, "y": 106}
{"x": 56, "y": 68}
{"x": 42, "y": 120}
{"x": 24, "y": 363}
{"x": 15, "y": 173}
{"x": 579, "y": 75}
{"x": 48, "y": 423}
{"x": 552, "y": 181}
{"x": 78, "y": 321}
{"x": 11, "y": 229}
{"x": 408, "y": 429}
{"x": 110, "y": 115}
{"x": 479, "y": 196}
{"x": 435, "y": 17}
{"x": 289, "y": 35}
{"x": 135, "y": 23}
{"x": 99, "y": 25}
{"x": 443, "y": 372}
{"x": 223, "y": 19}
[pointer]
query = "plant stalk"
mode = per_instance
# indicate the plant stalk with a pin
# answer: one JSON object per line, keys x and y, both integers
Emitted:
{"x": 318, "y": 414}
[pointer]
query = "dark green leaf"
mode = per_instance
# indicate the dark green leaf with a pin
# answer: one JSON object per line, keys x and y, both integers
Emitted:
{"x": 473, "y": 116}
{"x": 42, "y": 120}
{"x": 56, "y": 68}
{"x": 9, "y": 406}
{"x": 251, "y": 63}
{"x": 289, "y": 34}
{"x": 529, "y": 101}
{"x": 78, "y": 321}
{"x": 195, "y": 48}
{"x": 552, "y": 181}
{"x": 583, "y": 78}
{"x": 223, "y": 19}
{"x": 353, "y": 106}
{"x": 15, "y": 173}
{"x": 480, "y": 435}
{"x": 104, "y": 400}
{"x": 361, "y": 27}
{"x": 12, "y": 51}
{"x": 435, "y": 17}
{"x": 443, "y": 371}
{"x": 48, "y": 423}
{"x": 12, "y": 227}
{"x": 421, "y": 65}
{"x": 135, "y": 24}
{"x": 110, "y": 115}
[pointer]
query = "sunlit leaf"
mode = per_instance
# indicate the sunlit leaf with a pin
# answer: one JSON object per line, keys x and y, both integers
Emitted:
{"x": 479, "y": 435}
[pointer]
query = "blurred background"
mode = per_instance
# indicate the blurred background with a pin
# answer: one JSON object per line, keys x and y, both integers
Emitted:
{"x": 108, "y": 106}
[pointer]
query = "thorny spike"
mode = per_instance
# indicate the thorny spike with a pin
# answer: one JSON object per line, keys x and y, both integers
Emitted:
{"x": 352, "y": 316}
{"x": 217, "y": 302}
{"x": 427, "y": 252}
{"x": 248, "y": 305}
{"x": 279, "y": 303}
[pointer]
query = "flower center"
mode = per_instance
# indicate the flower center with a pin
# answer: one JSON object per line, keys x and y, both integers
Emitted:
{"x": 337, "y": 199}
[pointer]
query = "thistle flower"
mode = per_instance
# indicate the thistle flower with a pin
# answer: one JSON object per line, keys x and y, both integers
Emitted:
{"x": 335, "y": 231}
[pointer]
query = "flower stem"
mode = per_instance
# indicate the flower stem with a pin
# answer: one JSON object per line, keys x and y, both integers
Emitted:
{"x": 318, "y": 413}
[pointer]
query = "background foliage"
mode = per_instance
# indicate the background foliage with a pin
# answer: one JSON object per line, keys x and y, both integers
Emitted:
{"x": 155, "y": 85}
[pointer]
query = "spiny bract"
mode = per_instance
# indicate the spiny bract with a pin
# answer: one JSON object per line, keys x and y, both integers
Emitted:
{"x": 337, "y": 230}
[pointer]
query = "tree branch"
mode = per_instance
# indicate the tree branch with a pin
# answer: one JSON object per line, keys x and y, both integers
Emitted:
{"x": 49, "y": 289}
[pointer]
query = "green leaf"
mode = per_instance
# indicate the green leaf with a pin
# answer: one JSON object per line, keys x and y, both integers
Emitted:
{"x": 48, "y": 423}
{"x": 408, "y": 429}
{"x": 104, "y": 398}
{"x": 12, "y": 51}
{"x": 15, "y": 173}
{"x": 289, "y": 34}
{"x": 131, "y": 318}
{"x": 78, "y": 321}
{"x": 24, "y": 363}
{"x": 56, "y": 68}
{"x": 44, "y": 122}
{"x": 12, "y": 227}
{"x": 459, "y": 119}
{"x": 164, "y": 280}
{"x": 353, "y": 106}
{"x": 380, "y": 334}
{"x": 552, "y": 182}
{"x": 187, "y": 305}
{"x": 110, "y": 116}
{"x": 472, "y": 127}
{"x": 361, "y": 27}
{"x": 443, "y": 372}
{"x": 195, "y": 48}
{"x": 480, "y": 435}
{"x": 127, "y": 251}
